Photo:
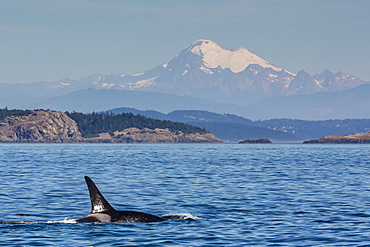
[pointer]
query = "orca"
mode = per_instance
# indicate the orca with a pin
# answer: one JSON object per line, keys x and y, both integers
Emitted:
{"x": 103, "y": 212}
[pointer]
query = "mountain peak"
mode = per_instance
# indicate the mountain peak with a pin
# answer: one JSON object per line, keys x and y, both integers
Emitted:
{"x": 238, "y": 60}
{"x": 203, "y": 41}
{"x": 202, "y": 45}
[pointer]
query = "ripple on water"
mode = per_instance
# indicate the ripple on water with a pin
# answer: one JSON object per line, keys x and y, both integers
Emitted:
{"x": 227, "y": 194}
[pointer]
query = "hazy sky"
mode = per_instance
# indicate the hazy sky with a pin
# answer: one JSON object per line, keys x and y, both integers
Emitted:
{"x": 45, "y": 40}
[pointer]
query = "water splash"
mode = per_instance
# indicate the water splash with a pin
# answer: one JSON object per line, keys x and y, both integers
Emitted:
{"x": 66, "y": 220}
{"x": 179, "y": 216}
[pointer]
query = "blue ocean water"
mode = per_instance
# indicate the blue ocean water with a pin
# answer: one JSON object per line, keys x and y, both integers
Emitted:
{"x": 233, "y": 194}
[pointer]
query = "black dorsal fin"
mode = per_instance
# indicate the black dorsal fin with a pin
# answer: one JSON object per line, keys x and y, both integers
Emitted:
{"x": 98, "y": 202}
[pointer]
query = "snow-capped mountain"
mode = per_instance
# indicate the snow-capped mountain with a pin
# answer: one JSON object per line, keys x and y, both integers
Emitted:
{"x": 204, "y": 70}
{"x": 214, "y": 56}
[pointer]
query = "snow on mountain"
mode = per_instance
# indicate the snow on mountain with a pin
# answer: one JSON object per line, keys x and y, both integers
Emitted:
{"x": 215, "y": 56}
{"x": 206, "y": 70}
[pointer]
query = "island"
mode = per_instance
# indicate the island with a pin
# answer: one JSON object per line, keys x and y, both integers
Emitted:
{"x": 261, "y": 140}
{"x": 358, "y": 138}
{"x": 46, "y": 126}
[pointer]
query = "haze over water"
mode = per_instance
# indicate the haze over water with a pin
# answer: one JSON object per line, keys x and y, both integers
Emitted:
{"x": 234, "y": 194}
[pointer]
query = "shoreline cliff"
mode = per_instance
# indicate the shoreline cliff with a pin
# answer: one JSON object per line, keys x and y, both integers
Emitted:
{"x": 358, "y": 138}
{"x": 45, "y": 126}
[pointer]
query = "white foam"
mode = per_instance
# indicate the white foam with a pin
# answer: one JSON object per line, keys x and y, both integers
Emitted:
{"x": 66, "y": 220}
{"x": 179, "y": 216}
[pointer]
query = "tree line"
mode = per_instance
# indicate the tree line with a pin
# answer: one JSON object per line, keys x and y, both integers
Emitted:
{"x": 5, "y": 112}
{"x": 91, "y": 124}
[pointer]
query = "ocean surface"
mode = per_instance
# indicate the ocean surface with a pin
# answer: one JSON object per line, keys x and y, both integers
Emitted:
{"x": 216, "y": 194}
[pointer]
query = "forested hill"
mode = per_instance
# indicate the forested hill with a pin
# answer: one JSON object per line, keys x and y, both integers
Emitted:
{"x": 94, "y": 123}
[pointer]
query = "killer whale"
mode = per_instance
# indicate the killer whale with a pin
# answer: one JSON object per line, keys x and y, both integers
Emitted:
{"x": 103, "y": 212}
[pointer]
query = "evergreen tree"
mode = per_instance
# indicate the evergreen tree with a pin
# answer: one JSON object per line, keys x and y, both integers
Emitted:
{"x": 94, "y": 123}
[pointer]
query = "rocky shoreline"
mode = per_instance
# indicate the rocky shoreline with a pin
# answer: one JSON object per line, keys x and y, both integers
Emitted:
{"x": 359, "y": 138}
{"x": 42, "y": 126}
{"x": 135, "y": 135}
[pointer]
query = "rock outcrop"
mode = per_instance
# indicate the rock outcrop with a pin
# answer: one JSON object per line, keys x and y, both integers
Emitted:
{"x": 262, "y": 140}
{"x": 358, "y": 138}
{"x": 135, "y": 135}
{"x": 39, "y": 126}
{"x": 56, "y": 127}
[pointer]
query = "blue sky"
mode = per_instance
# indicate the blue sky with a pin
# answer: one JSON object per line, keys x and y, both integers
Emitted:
{"x": 46, "y": 40}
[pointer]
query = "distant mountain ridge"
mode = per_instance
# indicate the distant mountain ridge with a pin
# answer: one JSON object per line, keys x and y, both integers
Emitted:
{"x": 352, "y": 103}
{"x": 204, "y": 70}
{"x": 234, "y": 128}
{"x": 203, "y": 76}
{"x": 228, "y": 127}
{"x": 89, "y": 100}
{"x": 346, "y": 104}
